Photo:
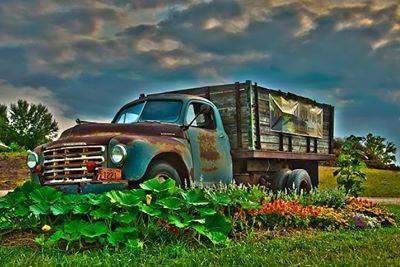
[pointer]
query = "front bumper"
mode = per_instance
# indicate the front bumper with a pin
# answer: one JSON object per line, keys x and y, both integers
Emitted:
{"x": 93, "y": 186}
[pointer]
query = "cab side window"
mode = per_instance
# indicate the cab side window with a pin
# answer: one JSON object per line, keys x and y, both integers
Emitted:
{"x": 205, "y": 121}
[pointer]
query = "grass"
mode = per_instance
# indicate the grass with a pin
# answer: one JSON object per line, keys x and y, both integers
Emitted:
{"x": 377, "y": 247}
{"x": 380, "y": 183}
{"x": 6, "y": 155}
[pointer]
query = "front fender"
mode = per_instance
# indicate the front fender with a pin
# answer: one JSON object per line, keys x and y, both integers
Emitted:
{"x": 141, "y": 150}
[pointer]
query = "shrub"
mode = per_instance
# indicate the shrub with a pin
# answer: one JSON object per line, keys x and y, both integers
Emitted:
{"x": 350, "y": 175}
{"x": 333, "y": 198}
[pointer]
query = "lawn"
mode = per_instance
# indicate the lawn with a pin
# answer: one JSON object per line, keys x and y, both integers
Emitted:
{"x": 379, "y": 247}
{"x": 380, "y": 183}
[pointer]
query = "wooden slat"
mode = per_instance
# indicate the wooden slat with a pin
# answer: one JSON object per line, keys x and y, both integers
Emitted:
{"x": 238, "y": 116}
{"x": 243, "y": 154}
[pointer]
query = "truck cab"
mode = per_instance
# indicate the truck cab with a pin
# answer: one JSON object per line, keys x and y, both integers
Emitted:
{"x": 166, "y": 136}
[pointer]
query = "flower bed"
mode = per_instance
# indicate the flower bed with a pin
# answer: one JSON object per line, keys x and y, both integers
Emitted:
{"x": 161, "y": 211}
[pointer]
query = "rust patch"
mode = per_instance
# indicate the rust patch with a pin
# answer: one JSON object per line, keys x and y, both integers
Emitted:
{"x": 208, "y": 147}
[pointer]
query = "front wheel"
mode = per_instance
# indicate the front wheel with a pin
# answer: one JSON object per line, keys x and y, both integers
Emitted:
{"x": 163, "y": 170}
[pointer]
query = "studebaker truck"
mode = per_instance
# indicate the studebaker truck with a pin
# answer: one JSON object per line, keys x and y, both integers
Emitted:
{"x": 239, "y": 132}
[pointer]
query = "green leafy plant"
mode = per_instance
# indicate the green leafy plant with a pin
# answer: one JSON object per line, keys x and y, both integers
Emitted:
{"x": 161, "y": 211}
{"x": 350, "y": 175}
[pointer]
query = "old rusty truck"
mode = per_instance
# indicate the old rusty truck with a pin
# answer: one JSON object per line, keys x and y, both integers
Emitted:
{"x": 238, "y": 132}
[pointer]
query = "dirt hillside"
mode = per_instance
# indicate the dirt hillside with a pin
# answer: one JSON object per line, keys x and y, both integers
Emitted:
{"x": 13, "y": 171}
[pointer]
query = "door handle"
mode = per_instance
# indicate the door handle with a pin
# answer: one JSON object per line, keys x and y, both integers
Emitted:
{"x": 221, "y": 136}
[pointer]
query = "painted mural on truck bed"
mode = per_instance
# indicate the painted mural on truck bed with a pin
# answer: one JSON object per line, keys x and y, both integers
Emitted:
{"x": 294, "y": 117}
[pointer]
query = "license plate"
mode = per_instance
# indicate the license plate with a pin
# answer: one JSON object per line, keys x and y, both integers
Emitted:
{"x": 109, "y": 174}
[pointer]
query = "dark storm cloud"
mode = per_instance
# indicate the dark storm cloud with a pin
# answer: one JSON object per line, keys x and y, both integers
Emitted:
{"x": 93, "y": 56}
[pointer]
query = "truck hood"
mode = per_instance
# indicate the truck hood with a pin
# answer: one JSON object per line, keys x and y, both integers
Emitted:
{"x": 102, "y": 133}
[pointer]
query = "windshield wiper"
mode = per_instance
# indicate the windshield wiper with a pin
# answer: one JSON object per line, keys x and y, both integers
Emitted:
{"x": 151, "y": 121}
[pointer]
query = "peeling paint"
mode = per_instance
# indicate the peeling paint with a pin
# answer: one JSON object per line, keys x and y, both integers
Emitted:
{"x": 208, "y": 146}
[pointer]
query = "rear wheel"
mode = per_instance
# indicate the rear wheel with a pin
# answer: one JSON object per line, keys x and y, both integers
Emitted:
{"x": 280, "y": 181}
{"x": 299, "y": 180}
{"x": 163, "y": 170}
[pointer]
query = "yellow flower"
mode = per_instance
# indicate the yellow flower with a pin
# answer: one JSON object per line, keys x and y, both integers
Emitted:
{"x": 148, "y": 199}
{"x": 46, "y": 228}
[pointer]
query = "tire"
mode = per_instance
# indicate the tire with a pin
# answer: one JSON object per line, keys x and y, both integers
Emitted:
{"x": 280, "y": 181}
{"x": 163, "y": 170}
{"x": 299, "y": 180}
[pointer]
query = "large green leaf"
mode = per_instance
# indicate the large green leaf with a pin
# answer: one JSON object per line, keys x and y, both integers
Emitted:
{"x": 61, "y": 208}
{"x": 214, "y": 236}
{"x": 172, "y": 203}
{"x": 177, "y": 221}
{"x": 28, "y": 187}
{"x": 189, "y": 219}
{"x": 93, "y": 230}
{"x": 72, "y": 229}
{"x": 156, "y": 185}
{"x": 218, "y": 223}
{"x": 127, "y": 218}
{"x": 216, "y": 228}
{"x": 220, "y": 198}
{"x": 127, "y": 198}
{"x": 195, "y": 197}
{"x": 54, "y": 238}
{"x": 122, "y": 235}
{"x": 82, "y": 208}
{"x": 73, "y": 199}
{"x": 150, "y": 210}
{"x": 21, "y": 210}
{"x": 102, "y": 213}
{"x": 5, "y": 224}
{"x": 45, "y": 194}
{"x": 40, "y": 208}
{"x": 205, "y": 211}
{"x": 12, "y": 199}
{"x": 98, "y": 200}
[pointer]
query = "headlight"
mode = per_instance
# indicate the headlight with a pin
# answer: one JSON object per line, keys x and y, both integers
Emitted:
{"x": 32, "y": 160}
{"x": 118, "y": 154}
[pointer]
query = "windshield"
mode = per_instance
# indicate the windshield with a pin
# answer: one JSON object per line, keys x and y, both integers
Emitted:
{"x": 154, "y": 110}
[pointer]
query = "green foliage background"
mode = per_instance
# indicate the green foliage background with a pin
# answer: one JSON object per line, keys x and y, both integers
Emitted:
{"x": 27, "y": 125}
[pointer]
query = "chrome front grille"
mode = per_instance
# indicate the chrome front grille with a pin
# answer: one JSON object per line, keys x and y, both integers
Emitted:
{"x": 65, "y": 163}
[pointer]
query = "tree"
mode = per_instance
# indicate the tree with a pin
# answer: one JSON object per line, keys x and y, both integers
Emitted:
{"x": 30, "y": 125}
{"x": 350, "y": 175}
{"x": 3, "y": 123}
{"x": 379, "y": 152}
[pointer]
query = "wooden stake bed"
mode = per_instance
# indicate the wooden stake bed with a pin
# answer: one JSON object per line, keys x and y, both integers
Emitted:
{"x": 245, "y": 112}
{"x": 263, "y": 154}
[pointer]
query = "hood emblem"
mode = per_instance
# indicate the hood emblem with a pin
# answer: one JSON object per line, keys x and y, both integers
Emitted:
{"x": 74, "y": 144}
{"x": 168, "y": 134}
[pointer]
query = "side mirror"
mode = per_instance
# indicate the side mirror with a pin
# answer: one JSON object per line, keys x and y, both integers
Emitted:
{"x": 204, "y": 109}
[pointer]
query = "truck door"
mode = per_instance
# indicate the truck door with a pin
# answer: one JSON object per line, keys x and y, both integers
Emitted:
{"x": 210, "y": 146}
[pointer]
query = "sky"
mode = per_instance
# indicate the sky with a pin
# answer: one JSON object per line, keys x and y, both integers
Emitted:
{"x": 86, "y": 58}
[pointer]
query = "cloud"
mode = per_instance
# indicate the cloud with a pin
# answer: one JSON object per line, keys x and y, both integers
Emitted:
{"x": 95, "y": 55}
{"x": 393, "y": 96}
